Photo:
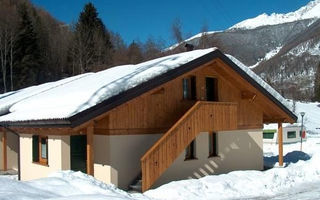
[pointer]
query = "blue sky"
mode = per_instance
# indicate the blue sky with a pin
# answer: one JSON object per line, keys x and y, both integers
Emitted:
{"x": 140, "y": 19}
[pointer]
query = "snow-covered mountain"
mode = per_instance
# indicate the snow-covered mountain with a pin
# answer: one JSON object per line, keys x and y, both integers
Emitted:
{"x": 310, "y": 11}
{"x": 284, "y": 49}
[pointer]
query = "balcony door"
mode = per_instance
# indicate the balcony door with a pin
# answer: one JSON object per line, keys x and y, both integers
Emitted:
{"x": 211, "y": 89}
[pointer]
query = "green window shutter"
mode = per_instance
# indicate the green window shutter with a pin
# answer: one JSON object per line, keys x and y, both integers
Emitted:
{"x": 35, "y": 148}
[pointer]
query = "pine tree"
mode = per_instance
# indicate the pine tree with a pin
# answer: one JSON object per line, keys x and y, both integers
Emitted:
{"x": 92, "y": 40}
{"x": 28, "y": 55}
{"x": 317, "y": 85}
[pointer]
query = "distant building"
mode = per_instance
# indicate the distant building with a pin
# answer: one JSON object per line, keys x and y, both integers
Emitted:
{"x": 291, "y": 133}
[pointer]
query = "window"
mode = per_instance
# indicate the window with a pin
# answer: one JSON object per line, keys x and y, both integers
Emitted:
{"x": 190, "y": 151}
{"x": 185, "y": 83}
{"x": 193, "y": 88}
{"x": 268, "y": 134}
{"x": 40, "y": 149}
{"x": 189, "y": 88}
{"x": 213, "y": 147}
{"x": 291, "y": 134}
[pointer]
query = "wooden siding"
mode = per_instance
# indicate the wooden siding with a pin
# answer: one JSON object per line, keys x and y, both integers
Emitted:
{"x": 202, "y": 117}
{"x": 157, "y": 110}
{"x": 4, "y": 151}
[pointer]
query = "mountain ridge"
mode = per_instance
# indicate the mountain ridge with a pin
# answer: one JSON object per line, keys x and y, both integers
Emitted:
{"x": 285, "y": 54}
{"x": 310, "y": 11}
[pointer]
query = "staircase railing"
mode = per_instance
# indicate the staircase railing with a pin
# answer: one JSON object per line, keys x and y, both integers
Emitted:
{"x": 201, "y": 117}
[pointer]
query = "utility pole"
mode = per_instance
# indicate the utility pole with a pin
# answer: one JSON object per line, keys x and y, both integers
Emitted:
{"x": 301, "y": 131}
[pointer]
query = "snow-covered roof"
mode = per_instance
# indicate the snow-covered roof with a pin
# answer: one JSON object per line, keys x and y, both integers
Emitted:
{"x": 68, "y": 97}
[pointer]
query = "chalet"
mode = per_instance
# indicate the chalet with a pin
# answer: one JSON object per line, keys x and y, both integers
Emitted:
{"x": 181, "y": 116}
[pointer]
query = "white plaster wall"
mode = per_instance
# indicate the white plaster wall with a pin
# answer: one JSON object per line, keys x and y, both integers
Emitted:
{"x": 58, "y": 157}
{"x": 237, "y": 150}
{"x": 117, "y": 158}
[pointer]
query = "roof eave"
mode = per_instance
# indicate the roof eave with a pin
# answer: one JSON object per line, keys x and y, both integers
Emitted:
{"x": 52, "y": 123}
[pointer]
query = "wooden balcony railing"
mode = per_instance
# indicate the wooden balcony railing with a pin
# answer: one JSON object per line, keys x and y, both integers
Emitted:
{"x": 201, "y": 117}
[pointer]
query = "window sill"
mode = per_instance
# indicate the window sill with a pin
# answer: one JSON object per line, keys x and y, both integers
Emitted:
{"x": 42, "y": 164}
{"x": 191, "y": 158}
{"x": 214, "y": 156}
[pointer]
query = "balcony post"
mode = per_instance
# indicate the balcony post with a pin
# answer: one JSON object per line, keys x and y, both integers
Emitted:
{"x": 280, "y": 143}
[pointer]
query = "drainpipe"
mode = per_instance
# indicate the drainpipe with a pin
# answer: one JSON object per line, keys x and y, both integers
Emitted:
{"x": 17, "y": 134}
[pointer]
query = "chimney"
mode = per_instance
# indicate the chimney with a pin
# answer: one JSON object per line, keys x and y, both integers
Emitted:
{"x": 189, "y": 47}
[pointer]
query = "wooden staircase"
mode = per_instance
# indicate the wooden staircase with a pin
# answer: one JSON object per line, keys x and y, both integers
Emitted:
{"x": 203, "y": 116}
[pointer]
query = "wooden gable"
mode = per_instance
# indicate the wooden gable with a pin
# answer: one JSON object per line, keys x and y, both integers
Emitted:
{"x": 158, "y": 109}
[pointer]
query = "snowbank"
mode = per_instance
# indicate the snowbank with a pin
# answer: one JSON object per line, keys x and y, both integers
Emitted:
{"x": 250, "y": 184}
{"x": 298, "y": 178}
{"x": 62, "y": 185}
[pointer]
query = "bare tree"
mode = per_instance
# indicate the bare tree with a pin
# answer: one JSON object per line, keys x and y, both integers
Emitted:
{"x": 204, "y": 39}
{"x": 176, "y": 29}
{"x": 8, "y": 23}
{"x": 120, "y": 50}
{"x": 152, "y": 48}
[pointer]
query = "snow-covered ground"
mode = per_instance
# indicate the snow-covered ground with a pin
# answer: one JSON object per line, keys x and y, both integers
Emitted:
{"x": 299, "y": 179}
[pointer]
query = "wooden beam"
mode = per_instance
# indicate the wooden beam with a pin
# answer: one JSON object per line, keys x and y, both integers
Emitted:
{"x": 45, "y": 131}
{"x": 269, "y": 120}
{"x": 90, "y": 135}
{"x": 129, "y": 131}
{"x": 280, "y": 143}
{"x": 250, "y": 126}
{"x": 4, "y": 151}
{"x": 248, "y": 95}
